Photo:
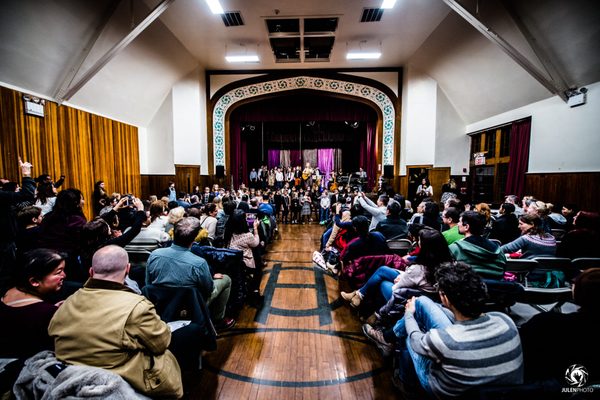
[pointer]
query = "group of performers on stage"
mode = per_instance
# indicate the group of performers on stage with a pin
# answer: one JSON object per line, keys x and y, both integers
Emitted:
{"x": 307, "y": 178}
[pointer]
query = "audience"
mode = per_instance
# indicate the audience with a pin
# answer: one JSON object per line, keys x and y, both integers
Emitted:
{"x": 366, "y": 244}
{"x": 378, "y": 211}
{"x": 454, "y": 348}
{"x": 393, "y": 226}
{"x": 177, "y": 266}
{"x": 506, "y": 227}
{"x": 486, "y": 257}
{"x": 419, "y": 275}
{"x": 450, "y": 217}
{"x": 105, "y": 325}
{"x": 584, "y": 239}
{"x": 26, "y": 305}
{"x": 534, "y": 242}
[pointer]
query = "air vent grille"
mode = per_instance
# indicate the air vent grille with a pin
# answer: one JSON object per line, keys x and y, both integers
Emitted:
{"x": 371, "y": 15}
{"x": 232, "y": 18}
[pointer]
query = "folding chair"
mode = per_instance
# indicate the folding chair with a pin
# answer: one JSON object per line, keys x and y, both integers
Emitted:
{"x": 400, "y": 246}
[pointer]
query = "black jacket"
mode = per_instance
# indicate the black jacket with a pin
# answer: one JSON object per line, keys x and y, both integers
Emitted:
{"x": 393, "y": 228}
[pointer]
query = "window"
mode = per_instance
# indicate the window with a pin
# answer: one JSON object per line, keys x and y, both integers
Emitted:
{"x": 489, "y": 180}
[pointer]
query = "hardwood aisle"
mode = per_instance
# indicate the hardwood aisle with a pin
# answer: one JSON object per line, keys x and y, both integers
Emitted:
{"x": 303, "y": 344}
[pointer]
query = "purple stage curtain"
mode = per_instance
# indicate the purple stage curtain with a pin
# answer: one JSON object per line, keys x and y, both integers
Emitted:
{"x": 295, "y": 158}
{"x": 520, "y": 133}
{"x": 239, "y": 170}
{"x": 325, "y": 163}
{"x": 273, "y": 158}
{"x": 368, "y": 160}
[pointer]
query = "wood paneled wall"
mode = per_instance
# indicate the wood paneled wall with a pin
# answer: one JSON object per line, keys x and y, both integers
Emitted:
{"x": 82, "y": 146}
{"x": 157, "y": 184}
{"x": 581, "y": 188}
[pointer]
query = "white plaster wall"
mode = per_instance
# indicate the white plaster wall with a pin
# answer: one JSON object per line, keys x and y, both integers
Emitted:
{"x": 389, "y": 79}
{"x": 451, "y": 143}
{"x": 563, "y": 139}
{"x": 186, "y": 120}
{"x": 419, "y": 103}
{"x": 218, "y": 81}
{"x": 159, "y": 137}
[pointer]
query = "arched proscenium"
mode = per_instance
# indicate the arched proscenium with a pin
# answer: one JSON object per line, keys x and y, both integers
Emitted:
{"x": 370, "y": 93}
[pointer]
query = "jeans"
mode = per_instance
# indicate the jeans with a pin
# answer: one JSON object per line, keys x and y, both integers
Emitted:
{"x": 429, "y": 315}
{"x": 324, "y": 214}
{"x": 383, "y": 279}
{"x": 219, "y": 297}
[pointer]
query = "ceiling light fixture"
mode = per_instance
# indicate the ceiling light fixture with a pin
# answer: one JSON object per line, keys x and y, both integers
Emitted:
{"x": 362, "y": 55}
{"x": 215, "y": 6}
{"x": 387, "y": 4}
{"x": 244, "y": 58}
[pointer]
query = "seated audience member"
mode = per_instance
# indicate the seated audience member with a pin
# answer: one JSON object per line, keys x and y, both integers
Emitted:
{"x": 393, "y": 226}
{"x": 378, "y": 211}
{"x": 506, "y": 227}
{"x": 105, "y": 325}
{"x": 486, "y": 257}
{"x": 28, "y": 220}
{"x": 366, "y": 244}
{"x": 457, "y": 347}
{"x": 540, "y": 209}
{"x": 238, "y": 237}
{"x": 572, "y": 337}
{"x": 569, "y": 211}
{"x": 228, "y": 209}
{"x": 45, "y": 197}
{"x": 555, "y": 219}
{"x": 514, "y": 200}
{"x": 24, "y": 310}
{"x": 419, "y": 275}
{"x": 431, "y": 216}
{"x": 450, "y": 217}
{"x": 534, "y": 242}
{"x": 485, "y": 210}
{"x": 177, "y": 266}
{"x": 175, "y": 215}
{"x": 342, "y": 231}
{"x": 158, "y": 218}
{"x": 208, "y": 220}
{"x": 584, "y": 239}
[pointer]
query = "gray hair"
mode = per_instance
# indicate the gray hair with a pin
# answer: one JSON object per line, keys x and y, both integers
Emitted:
{"x": 186, "y": 231}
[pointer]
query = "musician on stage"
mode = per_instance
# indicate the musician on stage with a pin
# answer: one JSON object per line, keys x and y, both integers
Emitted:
{"x": 297, "y": 177}
{"x": 307, "y": 176}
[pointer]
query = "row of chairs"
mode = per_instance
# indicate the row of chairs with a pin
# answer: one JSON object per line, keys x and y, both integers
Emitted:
{"x": 539, "y": 296}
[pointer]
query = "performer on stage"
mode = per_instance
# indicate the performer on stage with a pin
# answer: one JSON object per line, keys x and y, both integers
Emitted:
{"x": 362, "y": 178}
{"x": 307, "y": 176}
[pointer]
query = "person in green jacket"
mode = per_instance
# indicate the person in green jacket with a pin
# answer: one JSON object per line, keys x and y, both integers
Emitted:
{"x": 450, "y": 217}
{"x": 483, "y": 255}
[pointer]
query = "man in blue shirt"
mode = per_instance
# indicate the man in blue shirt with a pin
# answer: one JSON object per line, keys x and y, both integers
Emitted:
{"x": 178, "y": 266}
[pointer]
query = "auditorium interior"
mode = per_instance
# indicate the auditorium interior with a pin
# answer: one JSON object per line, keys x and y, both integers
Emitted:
{"x": 498, "y": 96}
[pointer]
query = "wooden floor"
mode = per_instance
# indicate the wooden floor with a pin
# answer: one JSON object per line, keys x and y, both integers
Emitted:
{"x": 303, "y": 344}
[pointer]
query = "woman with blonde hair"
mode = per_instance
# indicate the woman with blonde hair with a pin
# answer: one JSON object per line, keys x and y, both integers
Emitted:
{"x": 174, "y": 216}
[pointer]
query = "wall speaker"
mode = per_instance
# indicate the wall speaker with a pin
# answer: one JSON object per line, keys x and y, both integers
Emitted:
{"x": 388, "y": 171}
{"x": 220, "y": 171}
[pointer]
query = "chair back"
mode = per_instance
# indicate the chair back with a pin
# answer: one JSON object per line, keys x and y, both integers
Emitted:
{"x": 558, "y": 233}
{"x": 400, "y": 246}
{"x": 581, "y": 264}
{"x": 521, "y": 268}
{"x": 499, "y": 243}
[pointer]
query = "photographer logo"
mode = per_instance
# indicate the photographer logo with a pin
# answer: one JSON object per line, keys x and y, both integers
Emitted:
{"x": 576, "y": 375}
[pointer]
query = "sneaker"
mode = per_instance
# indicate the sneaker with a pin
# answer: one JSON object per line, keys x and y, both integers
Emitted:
{"x": 376, "y": 337}
{"x": 225, "y": 324}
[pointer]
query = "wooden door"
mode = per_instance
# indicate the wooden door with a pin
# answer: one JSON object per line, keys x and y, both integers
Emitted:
{"x": 437, "y": 177}
{"x": 186, "y": 177}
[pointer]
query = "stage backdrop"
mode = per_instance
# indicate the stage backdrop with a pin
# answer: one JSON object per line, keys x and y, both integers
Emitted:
{"x": 300, "y": 122}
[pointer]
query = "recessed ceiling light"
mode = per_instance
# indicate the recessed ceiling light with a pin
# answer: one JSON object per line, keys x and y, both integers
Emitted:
{"x": 361, "y": 55}
{"x": 246, "y": 58}
{"x": 215, "y": 6}
{"x": 387, "y": 4}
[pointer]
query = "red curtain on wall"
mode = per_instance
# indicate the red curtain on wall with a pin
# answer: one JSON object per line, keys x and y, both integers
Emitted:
{"x": 520, "y": 133}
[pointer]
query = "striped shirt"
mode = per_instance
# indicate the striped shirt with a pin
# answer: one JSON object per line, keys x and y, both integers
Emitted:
{"x": 486, "y": 350}
{"x": 532, "y": 246}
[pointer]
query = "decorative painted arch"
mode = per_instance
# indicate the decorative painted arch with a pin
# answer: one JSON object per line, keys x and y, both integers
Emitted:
{"x": 376, "y": 96}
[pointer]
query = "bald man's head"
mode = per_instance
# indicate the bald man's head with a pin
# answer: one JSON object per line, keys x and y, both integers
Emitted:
{"x": 110, "y": 263}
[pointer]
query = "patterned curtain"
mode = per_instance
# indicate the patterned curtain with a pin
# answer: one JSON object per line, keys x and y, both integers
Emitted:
{"x": 310, "y": 156}
{"x": 337, "y": 163}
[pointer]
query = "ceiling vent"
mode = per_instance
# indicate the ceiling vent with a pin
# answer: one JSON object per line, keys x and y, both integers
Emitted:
{"x": 232, "y": 18}
{"x": 371, "y": 15}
